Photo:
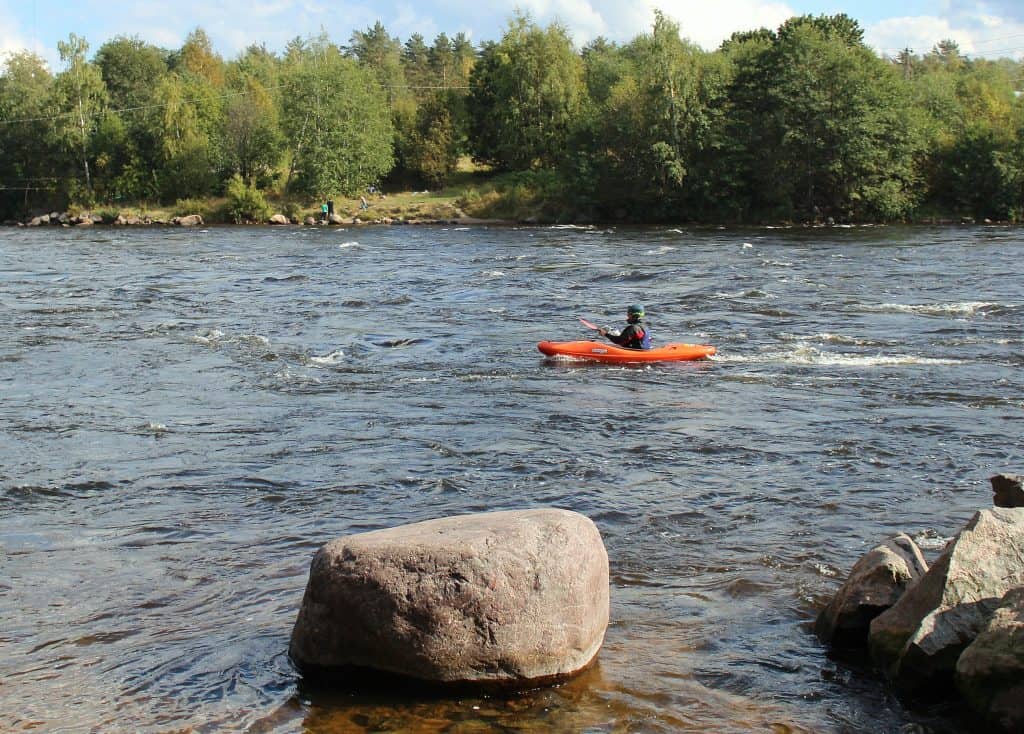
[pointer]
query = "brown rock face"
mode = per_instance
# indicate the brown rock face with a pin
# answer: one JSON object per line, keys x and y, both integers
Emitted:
{"x": 876, "y": 582}
{"x": 920, "y": 638}
{"x": 990, "y": 673}
{"x": 504, "y": 598}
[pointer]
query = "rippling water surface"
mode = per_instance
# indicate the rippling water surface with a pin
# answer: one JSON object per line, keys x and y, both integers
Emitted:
{"x": 185, "y": 416}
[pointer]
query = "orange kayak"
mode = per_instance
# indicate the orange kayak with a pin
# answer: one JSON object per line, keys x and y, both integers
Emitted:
{"x": 597, "y": 351}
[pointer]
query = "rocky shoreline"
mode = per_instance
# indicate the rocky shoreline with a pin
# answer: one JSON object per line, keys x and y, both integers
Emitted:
{"x": 67, "y": 220}
{"x": 89, "y": 219}
{"x": 954, "y": 626}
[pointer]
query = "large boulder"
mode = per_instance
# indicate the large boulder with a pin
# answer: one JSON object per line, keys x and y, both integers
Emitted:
{"x": 1007, "y": 490}
{"x": 190, "y": 220}
{"x": 920, "y": 638}
{"x": 506, "y": 599}
{"x": 278, "y": 219}
{"x": 875, "y": 583}
{"x": 990, "y": 673}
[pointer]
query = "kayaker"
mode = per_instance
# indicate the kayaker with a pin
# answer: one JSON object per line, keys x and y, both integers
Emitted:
{"x": 636, "y": 335}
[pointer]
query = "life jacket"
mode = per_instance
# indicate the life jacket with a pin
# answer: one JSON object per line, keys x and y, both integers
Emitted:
{"x": 645, "y": 340}
{"x": 636, "y": 336}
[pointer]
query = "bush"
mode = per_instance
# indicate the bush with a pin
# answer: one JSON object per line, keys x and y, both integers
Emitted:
{"x": 184, "y": 207}
{"x": 245, "y": 202}
{"x": 292, "y": 210}
{"x": 522, "y": 196}
{"x": 108, "y": 213}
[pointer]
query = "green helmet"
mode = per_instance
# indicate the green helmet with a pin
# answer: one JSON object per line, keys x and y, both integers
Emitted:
{"x": 635, "y": 310}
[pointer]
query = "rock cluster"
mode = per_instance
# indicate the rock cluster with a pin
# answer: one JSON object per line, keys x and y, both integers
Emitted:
{"x": 959, "y": 621}
{"x": 502, "y": 599}
{"x": 196, "y": 220}
{"x": 87, "y": 219}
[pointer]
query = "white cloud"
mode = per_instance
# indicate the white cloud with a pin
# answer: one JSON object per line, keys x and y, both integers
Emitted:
{"x": 704, "y": 23}
{"x": 11, "y": 38}
{"x": 709, "y": 23}
{"x": 976, "y": 35}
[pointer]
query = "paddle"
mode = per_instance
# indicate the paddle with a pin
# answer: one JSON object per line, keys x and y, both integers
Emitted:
{"x": 590, "y": 325}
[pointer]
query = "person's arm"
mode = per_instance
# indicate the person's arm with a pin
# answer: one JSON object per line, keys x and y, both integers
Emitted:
{"x": 621, "y": 338}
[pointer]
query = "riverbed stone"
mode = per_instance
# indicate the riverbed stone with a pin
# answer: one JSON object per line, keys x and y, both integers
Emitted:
{"x": 190, "y": 220}
{"x": 502, "y": 599}
{"x": 1007, "y": 490}
{"x": 919, "y": 639}
{"x": 875, "y": 583}
{"x": 278, "y": 219}
{"x": 990, "y": 672}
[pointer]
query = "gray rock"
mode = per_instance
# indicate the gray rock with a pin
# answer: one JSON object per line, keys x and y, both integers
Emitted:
{"x": 191, "y": 220}
{"x": 923, "y": 634}
{"x": 335, "y": 219}
{"x": 875, "y": 583}
{"x": 1007, "y": 490}
{"x": 990, "y": 673}
{"x": 508, "y": 599}
{"x": 278, "y": 219}
{"x": 309, "y": 221}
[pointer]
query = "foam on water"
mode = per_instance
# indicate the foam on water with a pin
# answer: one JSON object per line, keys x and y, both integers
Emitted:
{"x": 829, "y": 338}
{"x": 328, "y": 360}
{"x": 962, "y": 310}
{"x": 805, "y": 354}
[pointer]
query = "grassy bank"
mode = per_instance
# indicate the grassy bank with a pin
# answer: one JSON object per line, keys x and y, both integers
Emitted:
{"x": 472, "y": 194}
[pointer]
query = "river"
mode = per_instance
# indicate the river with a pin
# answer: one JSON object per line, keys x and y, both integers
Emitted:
{"x": 186, "y": 415}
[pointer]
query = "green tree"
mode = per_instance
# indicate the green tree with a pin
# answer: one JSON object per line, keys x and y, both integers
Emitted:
{"x": 430, "y": 151}
{"x": 416, "y": 66}
{"x": 337, "y": 121}
{"x": 130, "y": 69}
{"x": 464, "y": 59}
{"x": 188, "y": 127}
{"x": 442, "y": 61}
{"x": 79, "y": 99}
{"x": 526, "y": 91}
{"x": 834, "y": 137}
{"x": 970, "y": 109}
{"x": 197, "y": 57}
{"x": 127, "y": 148}
{"x": 651, "y": 106}
{"x": 382, "y": 54}
{"x": 252, "y": 131}
{"x": 26, "y": 155}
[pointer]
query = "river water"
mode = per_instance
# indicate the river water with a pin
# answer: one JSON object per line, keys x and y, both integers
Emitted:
{"x": 186, "y": 415}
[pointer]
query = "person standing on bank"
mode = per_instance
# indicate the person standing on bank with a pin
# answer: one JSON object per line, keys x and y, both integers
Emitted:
{"x": 636, "y": 335}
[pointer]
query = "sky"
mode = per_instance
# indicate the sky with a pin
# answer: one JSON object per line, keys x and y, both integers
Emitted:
{"x": 983, "y": 29}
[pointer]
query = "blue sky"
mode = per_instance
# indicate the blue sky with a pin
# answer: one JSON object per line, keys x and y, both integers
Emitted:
{"x": 991, "y": 28}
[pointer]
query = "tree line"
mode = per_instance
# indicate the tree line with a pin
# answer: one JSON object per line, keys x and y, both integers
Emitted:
{"x": 800, "y": 123}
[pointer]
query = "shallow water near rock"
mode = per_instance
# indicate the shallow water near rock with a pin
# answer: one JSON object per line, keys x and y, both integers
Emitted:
{"x": 188, "y": 414}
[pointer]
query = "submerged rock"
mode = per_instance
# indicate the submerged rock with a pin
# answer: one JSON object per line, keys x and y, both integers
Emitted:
{"x": 509, "y": 599}
{"x": 875, "y": 583}
{"x": 990, "y": 673}
{"x": 1007, "y": 490}
{"x": 923, "y": 634}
